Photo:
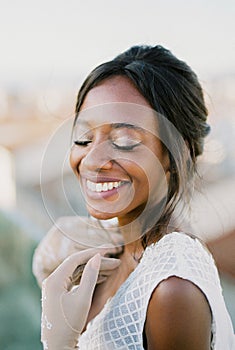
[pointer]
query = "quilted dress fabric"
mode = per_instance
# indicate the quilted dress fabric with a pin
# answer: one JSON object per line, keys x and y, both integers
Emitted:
{"x": 120, "y": 323}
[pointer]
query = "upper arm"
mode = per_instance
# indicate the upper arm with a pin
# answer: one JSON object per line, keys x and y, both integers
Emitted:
{"x": 178, "y": 317}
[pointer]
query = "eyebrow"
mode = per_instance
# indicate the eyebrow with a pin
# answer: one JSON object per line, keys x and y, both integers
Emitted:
{"x": 114, "y": 125}
{"x": 126, "y": 125}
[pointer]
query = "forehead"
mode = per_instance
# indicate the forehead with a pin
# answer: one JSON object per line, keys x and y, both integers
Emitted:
{"x": 119, "y": 113}
{"x": 117, "y": 100}
{"x": 114, "y": 89}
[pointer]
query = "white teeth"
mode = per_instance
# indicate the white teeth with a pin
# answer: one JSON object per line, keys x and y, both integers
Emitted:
{"x": 92, "y": 186}
{"x": 102, "y": 186}
{"x": 98, "y": 187}
{"x": 105, "y": 186}
{"x": 110, "y": 185}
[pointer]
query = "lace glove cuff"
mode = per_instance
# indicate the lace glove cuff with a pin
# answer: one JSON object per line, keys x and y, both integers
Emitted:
{"x": 65, "y": 307}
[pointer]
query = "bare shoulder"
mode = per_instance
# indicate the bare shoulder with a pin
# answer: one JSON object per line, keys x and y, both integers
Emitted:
{"x": 178, "y": 317}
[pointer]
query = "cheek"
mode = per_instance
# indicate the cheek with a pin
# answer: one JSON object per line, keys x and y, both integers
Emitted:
{"x": 75, "y": 159}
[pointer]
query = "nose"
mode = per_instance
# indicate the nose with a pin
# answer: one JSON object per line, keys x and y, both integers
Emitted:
{"x": 98, "y": 157}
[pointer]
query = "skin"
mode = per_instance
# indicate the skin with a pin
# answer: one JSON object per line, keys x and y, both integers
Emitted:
{"x": 178, "y": 317}
{"x": 176, "y": 305}
{"x": 223, "y": 252}
{"x": 100, "y": 159}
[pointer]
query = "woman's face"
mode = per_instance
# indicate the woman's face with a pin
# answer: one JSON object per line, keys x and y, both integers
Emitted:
{"x": 116, "y": 154}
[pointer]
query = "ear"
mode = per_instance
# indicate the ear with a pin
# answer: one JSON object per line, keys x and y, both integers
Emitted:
{"x": 167, "y": 165}
{"x": 168, "y": 175}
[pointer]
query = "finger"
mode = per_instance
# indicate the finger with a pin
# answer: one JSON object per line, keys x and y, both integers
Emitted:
{"x": 117, "y": 239}
{"x": 101, "y": 279}
{"x": 75, "y": 304}
{"x": 107, "y": 264}
{"x": 67, "y": 267}
{"x": 103, "y": 275}
{"x": 116, "y": 248}
{"x": 89, "y": 277}
{"x": 106, "y": 269}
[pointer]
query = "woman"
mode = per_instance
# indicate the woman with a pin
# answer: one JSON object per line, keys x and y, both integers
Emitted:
{"x": 139, "y": 128}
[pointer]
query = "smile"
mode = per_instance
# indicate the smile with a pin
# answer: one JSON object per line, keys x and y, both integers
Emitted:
{"x": 103, "y": 186}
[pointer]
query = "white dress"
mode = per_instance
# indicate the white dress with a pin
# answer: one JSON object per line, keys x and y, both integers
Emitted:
{"x": 120, "y": 324}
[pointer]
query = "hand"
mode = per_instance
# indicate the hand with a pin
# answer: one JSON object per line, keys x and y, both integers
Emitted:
{"x": 64, "y": 307}
{"x": 69, "y": 235}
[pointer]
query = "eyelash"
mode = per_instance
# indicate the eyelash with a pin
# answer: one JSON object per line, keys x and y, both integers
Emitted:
{"x": 82, "y": 143}
{"x": 121, "y": 148}
{"x": 125, "y": 148}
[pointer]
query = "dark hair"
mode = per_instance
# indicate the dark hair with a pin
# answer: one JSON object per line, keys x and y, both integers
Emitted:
{"x": 173, "y": 90}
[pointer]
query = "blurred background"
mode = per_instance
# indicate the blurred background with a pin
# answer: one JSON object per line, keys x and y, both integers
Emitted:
{"x": 47, "y": 49}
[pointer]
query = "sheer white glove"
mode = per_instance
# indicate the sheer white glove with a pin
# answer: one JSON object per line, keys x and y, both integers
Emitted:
{"x": 69, "y": 235}
{"x": 64, "y": 307}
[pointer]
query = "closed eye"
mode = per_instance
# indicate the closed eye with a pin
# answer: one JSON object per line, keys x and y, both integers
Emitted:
{"x": 82, "y": 142}
{"x": 126, "y": 147}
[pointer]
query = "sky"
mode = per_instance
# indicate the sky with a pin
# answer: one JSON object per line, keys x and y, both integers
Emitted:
{"x": 57, "y": 39}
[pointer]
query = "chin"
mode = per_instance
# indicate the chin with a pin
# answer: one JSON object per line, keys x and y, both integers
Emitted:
{"x": 100, "y": 215}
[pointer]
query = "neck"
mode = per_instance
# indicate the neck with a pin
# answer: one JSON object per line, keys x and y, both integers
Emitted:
{"x": 131, "y": 233}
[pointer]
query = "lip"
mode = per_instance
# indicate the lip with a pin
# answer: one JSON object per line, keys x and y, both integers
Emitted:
{"x": 103, "y": 194}
{"x": 98, "y": 178}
